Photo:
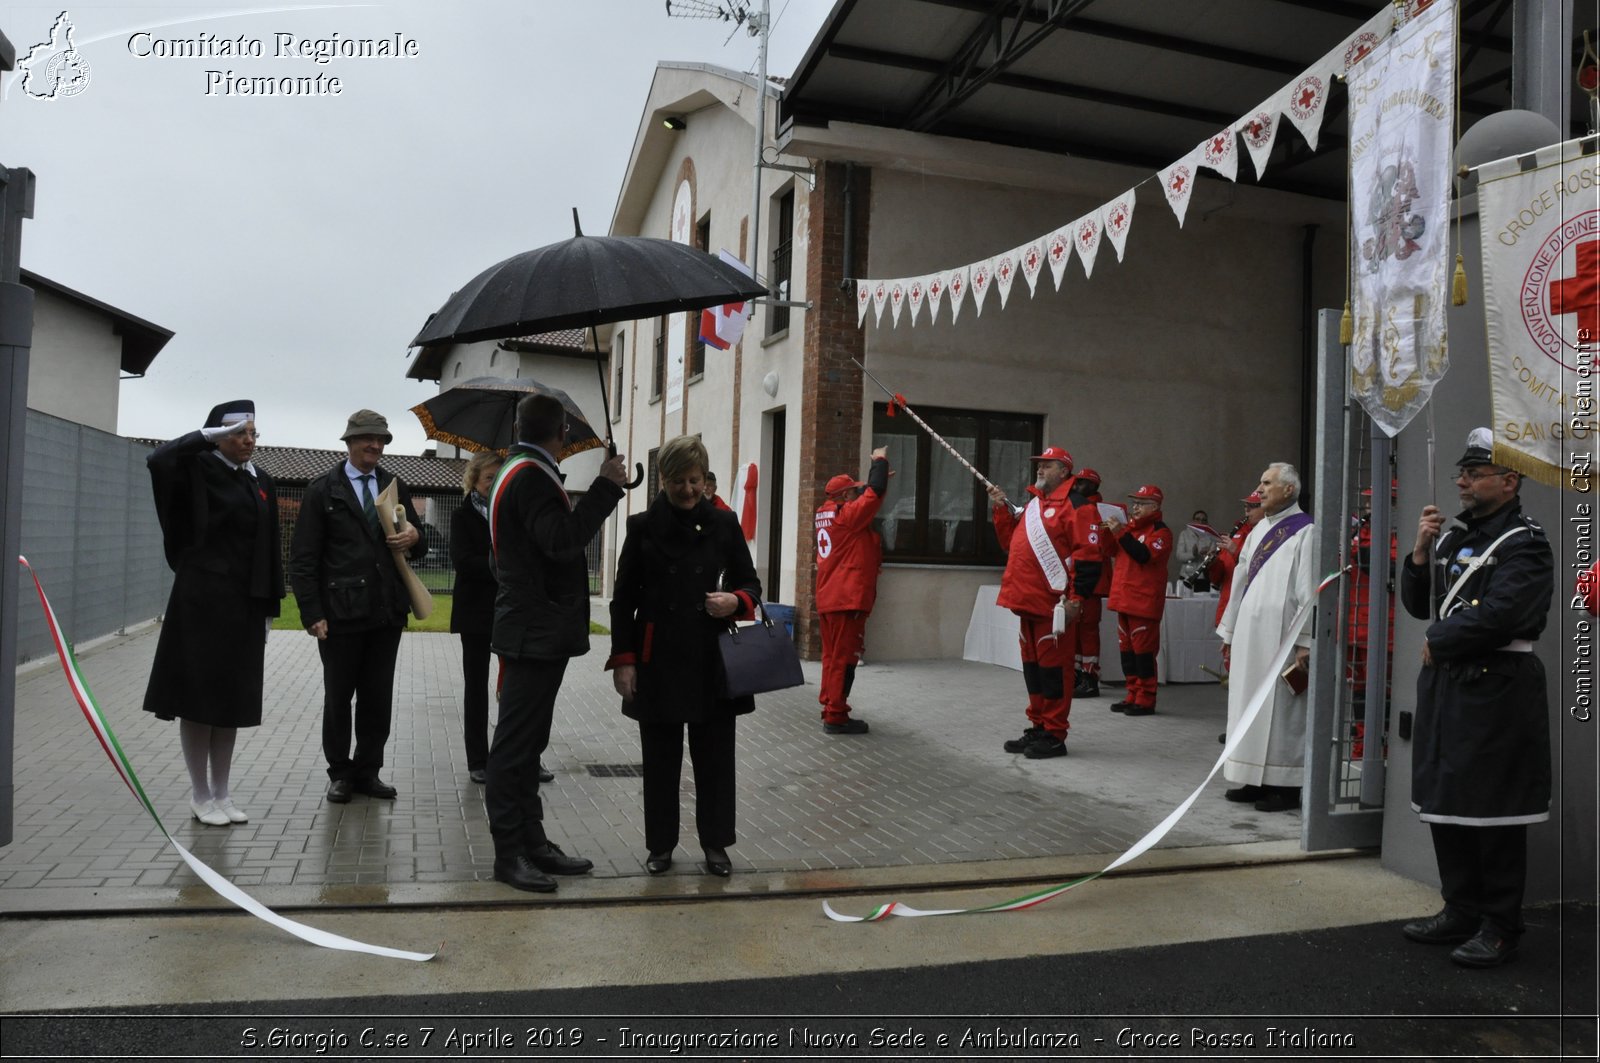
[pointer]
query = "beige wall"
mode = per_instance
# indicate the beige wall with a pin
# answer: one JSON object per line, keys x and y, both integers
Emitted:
{"x": 1179, "y": 366}
{"x": 718, "y": 143}
{"x": 75, "y": 364}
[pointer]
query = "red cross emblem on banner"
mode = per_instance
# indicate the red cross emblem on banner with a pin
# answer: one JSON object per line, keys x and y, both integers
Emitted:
{"x": 1580, "y": 294}
{"x": 1058, "y": 248}
{"x": 1033, "y": 260}
{"x": 1179, "y": 179}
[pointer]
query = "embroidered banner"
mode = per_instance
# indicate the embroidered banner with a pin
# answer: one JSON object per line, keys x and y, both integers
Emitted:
{"x": 1540, "y": 225}
{"x": 1402, "y": 122}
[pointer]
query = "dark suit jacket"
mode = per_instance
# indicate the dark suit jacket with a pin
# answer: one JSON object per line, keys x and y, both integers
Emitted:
{"x": 473, "y": 610}
{"x": 541, "y": 611}
{"x": 339, "y": 567}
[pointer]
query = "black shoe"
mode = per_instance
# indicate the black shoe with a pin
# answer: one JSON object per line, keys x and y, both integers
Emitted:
{"x": 1121, "y": 706}
{"x": 659, "y": 863}
{"x": 519, "y": 873}
{"x": 545, "y": 774}
{"x": 478, "y": 775}
{"x": 1139, "y": 710}
{"x": 717, "y": 862}
{"x": 1017, "y": 745}
{"x": 1245, "y": 794}
{"x": 1044, "y": 746}
{"x": 1449, "y": 927}
{"x": 1487, "y": 948}
{"x": 550, "y": 859}
{"x": 1086, "y": 687}
{"x": 339, "y": 791}
{"x": 1279, "y": 799}
{"x": 849, "y": 727}
{"x": 375, "y": 787}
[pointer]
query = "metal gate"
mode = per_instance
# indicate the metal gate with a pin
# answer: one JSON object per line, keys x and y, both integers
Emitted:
{"x": 1351, "y": 667}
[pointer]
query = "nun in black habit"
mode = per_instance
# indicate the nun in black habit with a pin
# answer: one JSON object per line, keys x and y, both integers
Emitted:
{"x": 219, "y": 525}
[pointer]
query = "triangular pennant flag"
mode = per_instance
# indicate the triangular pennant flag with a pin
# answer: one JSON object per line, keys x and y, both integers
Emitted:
{"x": 1218, "y": 153}
{"x": 1360, "y": 44}
{"x": 1086, "y": 238}
{"x": 1058, "y": 249}
{"x": 897, "y": 299}
{"x": 1260, "y": 131}
{"x": 982, "y": 279}
{"x": 1177, "y": 181}
{"x": 863, "y": 300}
{"x": 956, "y": 283}
{"x": 1117, "y": 218}
{"x": 1304, "y": 100}
{"x": 880, "y": 293}
{"x": 1032, "y": 257}
{"x": 1005, "y": 271}
{"x": 935, "y": 293}
{"x": 914, "y": 292}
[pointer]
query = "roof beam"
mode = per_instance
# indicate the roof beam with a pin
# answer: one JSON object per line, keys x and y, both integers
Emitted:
{"x": 877, "y": 57}
{"x": 996, "y": 43}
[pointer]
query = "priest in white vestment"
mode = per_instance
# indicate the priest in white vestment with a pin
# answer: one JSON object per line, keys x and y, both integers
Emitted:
{"x": 1275, "y": 576}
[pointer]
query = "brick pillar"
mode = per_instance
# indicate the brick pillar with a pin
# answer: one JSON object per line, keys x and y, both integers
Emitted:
{"x": 831, "y": 405}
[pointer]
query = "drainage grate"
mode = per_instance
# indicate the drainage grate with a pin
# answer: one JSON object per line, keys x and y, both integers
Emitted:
{"x": 615, "y": 771}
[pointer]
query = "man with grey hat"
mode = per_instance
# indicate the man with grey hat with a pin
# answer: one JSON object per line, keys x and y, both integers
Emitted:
{"x": 353, "y": 602}
{"x": 1480, "y": 761}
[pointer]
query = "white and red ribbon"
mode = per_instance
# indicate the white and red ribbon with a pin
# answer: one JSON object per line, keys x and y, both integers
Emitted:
{"x": 119, "y": 761}
{"x": 1257, "y": 699}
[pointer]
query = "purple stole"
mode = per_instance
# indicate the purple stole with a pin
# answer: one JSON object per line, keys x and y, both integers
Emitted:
{"x": 1281, "y": 532}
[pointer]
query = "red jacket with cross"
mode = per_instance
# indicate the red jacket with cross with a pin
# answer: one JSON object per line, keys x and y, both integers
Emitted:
{"x": 1139, "y": 587}
{"x": 849, "y": 552}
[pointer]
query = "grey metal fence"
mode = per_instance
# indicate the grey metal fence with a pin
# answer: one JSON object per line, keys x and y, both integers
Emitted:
{"x": 89, "y": 530}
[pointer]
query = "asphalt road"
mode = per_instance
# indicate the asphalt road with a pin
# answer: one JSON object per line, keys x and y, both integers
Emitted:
{"x": 1350, "y": 992}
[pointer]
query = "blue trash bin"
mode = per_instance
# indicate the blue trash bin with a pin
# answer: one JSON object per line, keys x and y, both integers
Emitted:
{"x": 781, "y": 614}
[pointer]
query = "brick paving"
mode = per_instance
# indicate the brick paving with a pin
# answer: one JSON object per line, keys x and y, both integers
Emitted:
{"x": 930, "y": 785}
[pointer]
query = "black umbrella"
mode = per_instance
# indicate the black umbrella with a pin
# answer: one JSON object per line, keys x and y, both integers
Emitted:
{"x": 481, "y": 414}
{"x": 586, "y": 281}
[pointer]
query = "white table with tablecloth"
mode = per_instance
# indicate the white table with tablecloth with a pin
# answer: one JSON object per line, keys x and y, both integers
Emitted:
{"x": 1188, "y": 638}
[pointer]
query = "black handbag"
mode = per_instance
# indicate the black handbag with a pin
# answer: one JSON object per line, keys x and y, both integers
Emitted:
{"x": 758, "y": 658}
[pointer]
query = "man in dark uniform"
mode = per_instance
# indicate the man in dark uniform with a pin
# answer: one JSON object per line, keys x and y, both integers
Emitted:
{"x": 353, "y": 602}
{"x": 541, "y": 621}
{"x": 1481, "y": 759}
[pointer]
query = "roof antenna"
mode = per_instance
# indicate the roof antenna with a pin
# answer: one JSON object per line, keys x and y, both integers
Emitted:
{"x": 576, "y": 229}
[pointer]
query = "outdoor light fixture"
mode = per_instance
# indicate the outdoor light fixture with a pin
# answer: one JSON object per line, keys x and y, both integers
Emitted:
{"x": 674, "y": 123}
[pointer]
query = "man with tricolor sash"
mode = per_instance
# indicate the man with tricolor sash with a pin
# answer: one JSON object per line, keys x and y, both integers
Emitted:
{"x": 1052, "y": 565}
{"x": 538, "y": 536}
{"x": 1275, "y": 576}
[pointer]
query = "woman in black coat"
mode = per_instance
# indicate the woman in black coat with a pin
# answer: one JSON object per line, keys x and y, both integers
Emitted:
{"x": 684, "y": 571}
{"x": 219, "y": 527}
{"x": 472, "y": 611}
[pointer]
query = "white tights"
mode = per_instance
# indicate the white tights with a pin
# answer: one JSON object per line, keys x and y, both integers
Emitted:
{"x": 205, "y": 745}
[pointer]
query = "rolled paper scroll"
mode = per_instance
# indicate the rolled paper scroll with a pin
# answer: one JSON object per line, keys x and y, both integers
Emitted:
{"x": 392, "y": 516}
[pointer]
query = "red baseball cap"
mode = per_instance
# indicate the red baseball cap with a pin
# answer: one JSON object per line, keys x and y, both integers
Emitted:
{"x": 1089, "y": 474}
{"x": 1252, "y": 499}
{"x": 1053, "y": 454}
{"x": 1149, "y": 493}
{"x": 841, "y": 483}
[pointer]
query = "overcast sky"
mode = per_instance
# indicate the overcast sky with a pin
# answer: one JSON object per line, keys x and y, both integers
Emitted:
{"x": 296, "y": 244}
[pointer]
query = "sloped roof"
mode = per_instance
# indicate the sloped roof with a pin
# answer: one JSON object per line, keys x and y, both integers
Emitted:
{"x": 428, "y": 364}
{"x": 297, "y": 466}
{"x": 141, "y": 340}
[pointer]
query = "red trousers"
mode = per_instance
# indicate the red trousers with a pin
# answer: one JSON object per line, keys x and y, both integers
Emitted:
{"x": 1087, "y": 658}
{"x": 844, "y": 637}
{"x": 1045, "y": 659}
{"x": 1139, "y": 637}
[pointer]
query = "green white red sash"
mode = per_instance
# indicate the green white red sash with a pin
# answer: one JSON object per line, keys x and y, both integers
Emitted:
{"x": 119, "y": 760}
{"x": 503, "y": 478}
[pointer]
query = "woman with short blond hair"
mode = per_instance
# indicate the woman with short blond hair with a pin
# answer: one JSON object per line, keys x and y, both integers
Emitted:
{"x": 472, "y": 610}
{"x": 685, "y": 571}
